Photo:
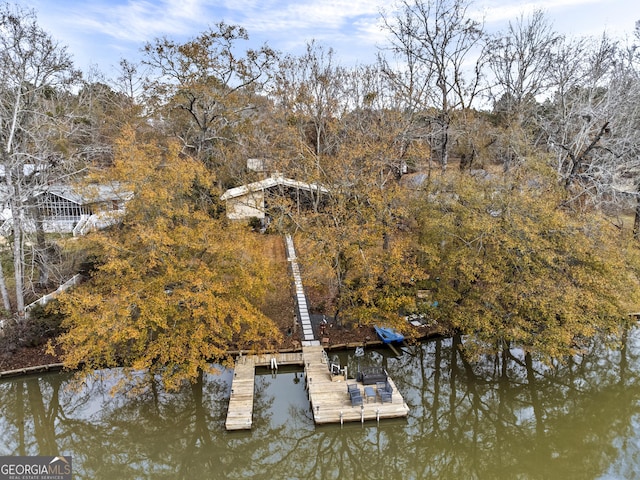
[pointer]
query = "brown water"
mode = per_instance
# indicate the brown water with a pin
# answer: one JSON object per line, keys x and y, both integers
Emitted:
{"x": 487, "y": 420}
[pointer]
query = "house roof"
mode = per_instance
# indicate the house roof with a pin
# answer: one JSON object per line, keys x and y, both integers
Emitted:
{"x": 270, "y": 182}
{"x": 90, "y": 194}
{"x": 27, "y": 169}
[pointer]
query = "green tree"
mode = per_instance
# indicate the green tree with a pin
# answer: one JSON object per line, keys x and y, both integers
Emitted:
{"x": 174, "y": 287}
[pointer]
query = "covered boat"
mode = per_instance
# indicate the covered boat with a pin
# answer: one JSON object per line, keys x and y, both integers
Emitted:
{"x": 388, "y": 335}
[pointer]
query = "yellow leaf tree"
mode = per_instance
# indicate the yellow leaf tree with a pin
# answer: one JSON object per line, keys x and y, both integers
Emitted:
{"x": 509, "y": 265}
{"x": 174, "y": 287}
{"x": 359, "y": 239}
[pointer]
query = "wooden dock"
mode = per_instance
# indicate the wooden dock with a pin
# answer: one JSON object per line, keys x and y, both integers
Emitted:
{"x": 266, "y": 359}
{"x": 330, "y": 401}
{"x": 328, "y": 395}
{"x": 240, "y": 412}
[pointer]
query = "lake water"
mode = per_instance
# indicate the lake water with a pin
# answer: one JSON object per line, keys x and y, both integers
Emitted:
{"x": 487, "y": 420}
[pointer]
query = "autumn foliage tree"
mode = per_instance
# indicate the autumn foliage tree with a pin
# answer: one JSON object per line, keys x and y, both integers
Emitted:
{"x": 174, "y": 287}
{"x": 368, "y": 261}
{"x": 508, "y": 264}
{"x": 503, "y": 256}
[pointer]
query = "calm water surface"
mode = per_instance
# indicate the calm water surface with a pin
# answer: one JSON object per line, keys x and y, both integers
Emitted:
{"x": 492, "y": 419}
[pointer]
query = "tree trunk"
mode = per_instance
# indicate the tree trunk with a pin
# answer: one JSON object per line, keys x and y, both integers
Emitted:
{"x": 636, "y": 220}
{"x": 3, "y": 284}
{"x": 444, "y": 146}
{"x": 579, "y": 159}
{"x": 16, "y": 213}
{"x": 42, "y": 251}
{"x": 6, "y": 304}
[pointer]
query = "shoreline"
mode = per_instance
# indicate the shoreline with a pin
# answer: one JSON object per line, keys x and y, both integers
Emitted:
{"x": 59, "y": 366}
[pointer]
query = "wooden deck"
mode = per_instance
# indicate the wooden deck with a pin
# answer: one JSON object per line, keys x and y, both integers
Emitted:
{"x": 240, "y": 412}
{"x": 330, "y": 401}
{"x": 264, "y": 360}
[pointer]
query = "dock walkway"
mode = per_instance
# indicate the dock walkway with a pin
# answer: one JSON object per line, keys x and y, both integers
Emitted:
{"x": 301, "y": 300}
{"x": 240, "y": 411}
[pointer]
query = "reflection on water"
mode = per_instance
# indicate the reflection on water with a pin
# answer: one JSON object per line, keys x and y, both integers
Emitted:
{"x": 500, "y": 418}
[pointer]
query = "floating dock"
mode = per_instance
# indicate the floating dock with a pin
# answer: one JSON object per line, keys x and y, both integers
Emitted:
{"x": 328, "y": 396}
{"x": 330, "y": 400}
{"x": 240, "y": 412}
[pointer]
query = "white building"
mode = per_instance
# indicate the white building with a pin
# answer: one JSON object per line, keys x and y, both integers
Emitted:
{"x": 252, "y": 200}
{"x": 67, "y": 209}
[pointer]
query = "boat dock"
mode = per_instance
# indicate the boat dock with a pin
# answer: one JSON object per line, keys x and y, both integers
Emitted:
{"x": 331, "y": 401}
{"x": 328, "y": 395}
{"x": 240, "y": 412}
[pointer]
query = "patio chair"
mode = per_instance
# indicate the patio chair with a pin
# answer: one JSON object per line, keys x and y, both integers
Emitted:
{"x": 356, "y": 398}
{"x": 385, "y": 391}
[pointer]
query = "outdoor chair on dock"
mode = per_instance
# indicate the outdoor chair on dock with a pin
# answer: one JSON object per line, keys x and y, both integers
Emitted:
{"x": 354, "y": 394}
{"x": 385, "y": 391}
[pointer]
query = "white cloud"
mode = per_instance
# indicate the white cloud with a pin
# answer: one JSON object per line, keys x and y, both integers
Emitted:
{"x": 142, "y": 20}
{"x": 573, "y": 17}
{"x": 283, "y": 17}
{"x": 104, "y": 30}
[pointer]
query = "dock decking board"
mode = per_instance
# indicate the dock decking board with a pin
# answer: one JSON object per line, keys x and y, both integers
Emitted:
{"x": 330, "y": 401}
{"x": 301, "y": 300}
{"x": 264, "y": 360}
{"x": 240, "y": 411}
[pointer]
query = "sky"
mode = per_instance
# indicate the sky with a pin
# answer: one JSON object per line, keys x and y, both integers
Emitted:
{"x": 98, "y": 33}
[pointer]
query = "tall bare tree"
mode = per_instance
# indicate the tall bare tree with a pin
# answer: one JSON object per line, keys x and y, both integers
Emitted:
{"x": 199, "y": 91}
{"x": 439, "y": 38}
{"x": 310, "y": 90}
{"x": 520, "y": 61}
{"x": 34, "y": 69}
{"x": 578, "y": 121}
